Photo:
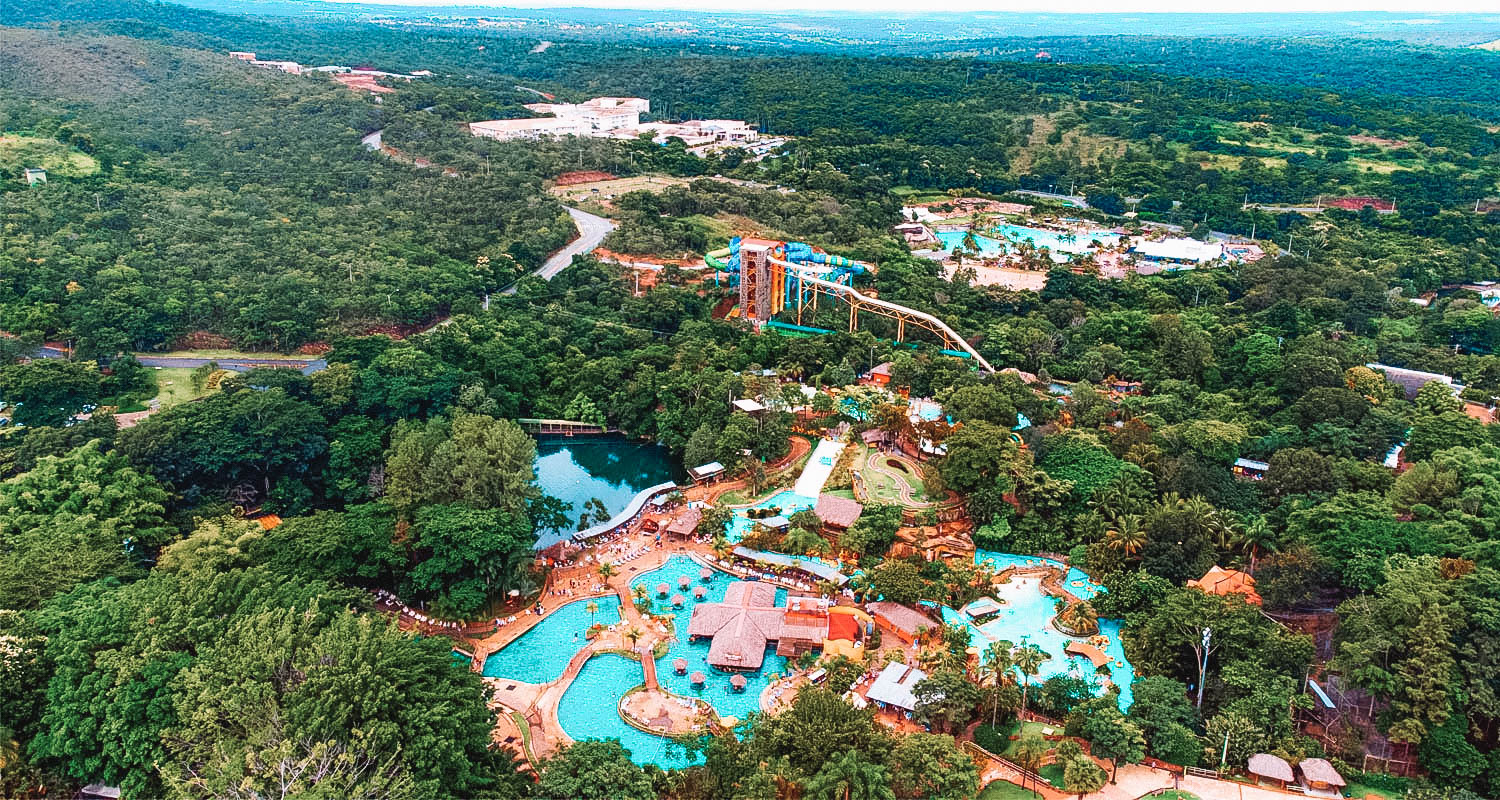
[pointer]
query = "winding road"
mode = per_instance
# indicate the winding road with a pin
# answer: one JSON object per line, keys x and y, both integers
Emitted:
{"x": 592, "y": 229}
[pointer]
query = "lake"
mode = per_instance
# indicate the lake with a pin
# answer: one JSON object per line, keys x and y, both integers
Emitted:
{"x": 609, "y": 467}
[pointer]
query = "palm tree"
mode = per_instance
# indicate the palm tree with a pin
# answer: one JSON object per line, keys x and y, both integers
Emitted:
{"x": 634, "y": 635}
{"x": 593, "y": 609}
{"x": 996, "y": 664}
{"x": 1028, "y": 659}
{"x": 638, "y": 591}
{"x": 1127, "y": 536}
{"x": 850, "y": 777}
{"x": 606, "y": 571}
{"x": 1080, "y": 618}
{"x": 1256, "y": 536}
{"x": 721, "y": 547}
{"x": 1031, "y": 748}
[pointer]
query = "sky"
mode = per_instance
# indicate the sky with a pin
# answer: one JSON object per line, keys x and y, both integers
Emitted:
{"x": 1036, "y": 6}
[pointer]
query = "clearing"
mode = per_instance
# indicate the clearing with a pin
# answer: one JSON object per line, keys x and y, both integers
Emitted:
{"x": 18, "y": 151}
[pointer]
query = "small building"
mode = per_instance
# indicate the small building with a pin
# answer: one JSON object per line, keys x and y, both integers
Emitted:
{"x": 811, "y": 566}
{"x": 749, "y": 406}
{"x": 1249, "y": 468}
{"x": 1225, "y": 582}
{"x": 1319, "y": 777}
{"x": 895, "y": 687}
{"x": 837, "y": 513}
{"x": 35, "y": 175}
{"x": 775, "y": 523}
{"x": 685, "y": 524}
{"x": 880, "y": 374}
{"x": 1177, "y": 251}
{"x": 529, "y": 128}
{"x": 905, "y": 622}
{"x": 706, "y": 472}
{"x": 981, "y": 608}
{"x": 242, "y": 55}
{"x": 1266, "y": 768}
{"x": 741, "y": 627}
{"x": 1411, "y": 381}
{"x": 945, "y": 543}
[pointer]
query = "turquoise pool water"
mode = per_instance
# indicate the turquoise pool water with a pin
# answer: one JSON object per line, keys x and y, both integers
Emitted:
{"x": 788, "y": 501}
{"x": 716, "y": 689}
{"x": 1055, "y": 241}
{"x": 1028, "y": 614}
{"x": 589, "y": 709}
{"x": 612, "y": 468}
{"x": 541, "y": 654}
{"x": 1077, "y": 581}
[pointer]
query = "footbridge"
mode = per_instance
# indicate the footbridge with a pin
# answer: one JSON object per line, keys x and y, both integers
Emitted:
{"x": 789, "y": 276}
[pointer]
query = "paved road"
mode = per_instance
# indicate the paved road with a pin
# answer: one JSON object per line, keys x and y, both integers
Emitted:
{"x": 592, "y": 229}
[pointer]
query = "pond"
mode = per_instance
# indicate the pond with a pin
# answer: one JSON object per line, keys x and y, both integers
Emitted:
{"x": 610, "y": 467}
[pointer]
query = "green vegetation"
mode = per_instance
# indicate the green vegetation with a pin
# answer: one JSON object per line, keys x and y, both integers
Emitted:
{"x": 59, "y": 158}
{"x": 165, "y": 644}
{"x": 1005, "y": 790}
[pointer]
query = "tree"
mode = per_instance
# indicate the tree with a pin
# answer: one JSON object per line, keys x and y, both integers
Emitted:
{"x": 234, "y": 437}
{"x": 76, "y": 518}
{"x": 996, "y": 662}
{"x": 593, "y": 770}
{"x": 898, "y": 582}
{"x": 634, "y": 635}
{"x": 931, "y": 766}
{"x": 850, "y": 776}
{"x": 1126, "y": 536}
{"x": 874, "y": 532}
{"x": 606, "y": 571}
{"x": 353, "y": 546}
{"x": 1159, "y": 704}
{"x": 462, "y": 556}
{"x": 1435, "y": 399}
{"x": 48, "y": 391}
{"x": 1028, "y": 659}
{"x": 1031, "y": 748}
{"x": 815, "y": 730}
{"x": 593, "y": 609}
{"x": 1111, "y": 735}
{"x": 475, "y": 460}
{"x": 1082, "y": 776}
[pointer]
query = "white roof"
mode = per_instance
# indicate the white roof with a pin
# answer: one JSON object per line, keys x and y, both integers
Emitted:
{"x": 749, "y": 406}
{"x": 711, "y": 468}
{"x": 1247, "y": 463}
{"x": 894, "y": 686}
{"x": 524, "y": 124}
{"x": 1179, "y": 250}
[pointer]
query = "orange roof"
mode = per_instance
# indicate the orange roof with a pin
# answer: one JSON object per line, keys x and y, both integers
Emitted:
{"x": 843, "y": 626}
{"x": 1479, "y": 411}
{"x": 1222, "y": 581}
{"x": 268, "y": 521}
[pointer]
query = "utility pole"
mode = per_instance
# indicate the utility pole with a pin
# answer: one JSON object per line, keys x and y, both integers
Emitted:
{"x": 1208, "y": 634}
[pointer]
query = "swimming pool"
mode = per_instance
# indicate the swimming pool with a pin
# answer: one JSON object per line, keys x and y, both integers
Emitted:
{"x": 926, "y": 410}
{"x": 1057, "y": 242}
{"x": 541, "y": 654}
{"x": 788, "y": 501}
{"x": 716, "y": 690}
{"x": 1076, "y": 581}
{"x": 1028, "y": 614}
{"x": 589, "y": 709}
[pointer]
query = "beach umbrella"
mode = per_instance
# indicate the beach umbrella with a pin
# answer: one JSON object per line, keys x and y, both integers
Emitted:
{"x": 696, "y": 679}
{"x": 680, "y": 665}
{"x": 707, "y": 574}
{"x": 738, "y": 682}
{"x": 515, "y": 592}
{"x": 684, "y": 581}
{"x": 699, "y": 592}
{"x": 662, "y": 589}
{"x": 678, "y": 600}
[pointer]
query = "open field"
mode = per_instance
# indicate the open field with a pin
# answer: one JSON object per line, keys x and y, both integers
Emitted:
{"x": 174, "y": 386}
{"x": 578, "y": 192}
{"x": 61, "y": 161}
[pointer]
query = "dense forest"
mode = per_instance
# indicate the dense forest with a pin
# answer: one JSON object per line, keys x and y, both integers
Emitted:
{"x": 181, "y": 650}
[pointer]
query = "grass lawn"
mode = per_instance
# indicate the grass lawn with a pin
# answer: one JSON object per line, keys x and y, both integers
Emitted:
{"x": 1175, "y": 794}
{"x": 1005, "y": 790}
{"x": 231, "y": 354}
{"x": 1359, "y": 790}
{"x": 174, "y": 385}
{"x": 1053, "y": 773}
{"x": 60, "y": 160}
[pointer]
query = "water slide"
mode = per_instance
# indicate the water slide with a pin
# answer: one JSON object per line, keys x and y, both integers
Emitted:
{"x": 819, "y": 467}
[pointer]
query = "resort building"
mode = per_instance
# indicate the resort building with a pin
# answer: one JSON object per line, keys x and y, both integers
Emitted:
{"x": 748, "y": 621}
{"x": 598, "y": 114}
{"x": 1222, "y": 582}
{"x": 945, "y": 543}
{"x": 837, "y": 513}
{"x": 905, "y": 622}
{"x": 1411, "y": 381}
{"x": 1177, "y": 251}
{"x": 1250, "y": 468}
{"x": 880, "y": 374}
{"x": 35, "y": 175}
{"x": 685, "y": 524}
{"x": 528, "y": 128}
{"x": 894, "y": 687}
{"x": 706, "y": 472}
{"x": 1266, "y": 768}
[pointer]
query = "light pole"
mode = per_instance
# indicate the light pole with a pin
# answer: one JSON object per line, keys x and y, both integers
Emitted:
{"x": 1208, "y": 635}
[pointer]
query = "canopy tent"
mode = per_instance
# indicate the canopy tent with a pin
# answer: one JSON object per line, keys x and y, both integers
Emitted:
{"x": 810, "y": 566}
{"x": 679, "y": 665}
